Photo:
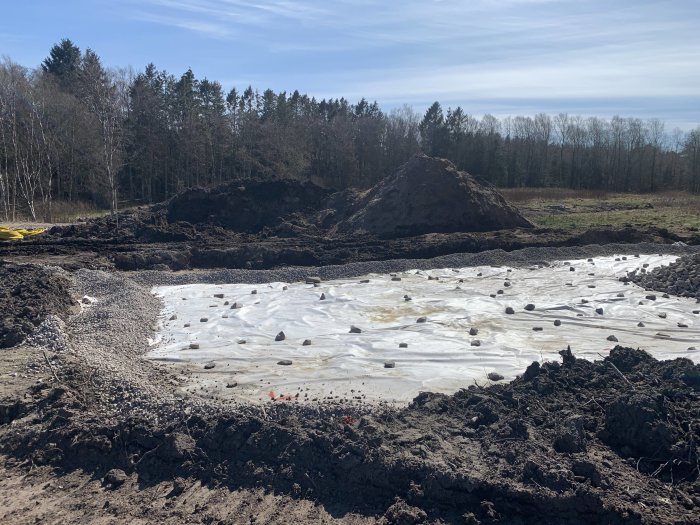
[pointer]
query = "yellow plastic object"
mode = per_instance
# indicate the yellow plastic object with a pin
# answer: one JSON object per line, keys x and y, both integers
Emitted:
{"x": 7, "y": 234}
{"x": 10, "y": 235}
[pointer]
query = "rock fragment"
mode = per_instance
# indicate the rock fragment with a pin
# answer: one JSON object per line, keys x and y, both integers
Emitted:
{"x": 280, "y": 337}
{"x": 495, "y": 376}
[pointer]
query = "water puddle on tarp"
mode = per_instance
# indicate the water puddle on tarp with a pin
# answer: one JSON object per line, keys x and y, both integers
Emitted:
{"x": 440, "y": 355}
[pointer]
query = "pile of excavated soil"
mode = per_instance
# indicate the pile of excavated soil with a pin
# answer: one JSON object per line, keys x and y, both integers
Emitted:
{"x": 614, "y": 441}
{"x": 679, "y": 278}
{"x": 428, "y": 195}
{"x": 28, "y": 295}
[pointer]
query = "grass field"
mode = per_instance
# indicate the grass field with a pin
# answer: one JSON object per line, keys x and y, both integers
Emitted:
{"x": 569, "y": 209}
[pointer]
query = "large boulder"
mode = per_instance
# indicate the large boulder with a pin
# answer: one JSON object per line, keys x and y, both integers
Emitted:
{"x": 430, "y": 195}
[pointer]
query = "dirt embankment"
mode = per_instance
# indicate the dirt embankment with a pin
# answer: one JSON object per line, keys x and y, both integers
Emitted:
{"x": 28, "y": 294}
{"x": 615, "y": 441}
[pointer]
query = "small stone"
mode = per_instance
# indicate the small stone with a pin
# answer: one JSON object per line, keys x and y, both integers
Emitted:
{"x": 572, "y": 269}
{"x": 226, "y": 303}
{"x": 612, "y": 338}
{"x": 590, "y": 260}
{"x": 479, "y": 274}
{"x": 421, "y": 320}
{"x": 529, "y": 307}
{"x": 323, "y": 297}
{"x": 364, "y": 281}
{"x": 475, "y": 342}
{"x": 584, "y": 301}
{"x": 253, "y": 292}
{"x": 599, "y": 311}
{"x": 663, "y": 315}
{"x": 234, "y": 306}
{"x": 407, "y": 298}
{"x": 651, "y": 297}
{"x": 173, "y": 317}
{"x": 396, "y": 278}
{"x": 186, "y": 325}
{"x": 284, "y": 362}
{"x": 194, "y": 346}
{"x": 557, "y": 322}
{"x": 682, "y": 325}
{"x": 624, "y": 258}
{"x": 285, "y": 288}
{"x": 692, "y": 349}
{"x": 242, "y": 341}
{"x": 506, "y": 284}
{"x": 493, "y": 295}
{"x": 659, "y": 334}
{"x": 509, "y": 310}
{"x": 696, "y": 312}
{"x": 473, "y": 331}
{"x": 389, "y": 364}
{"x": 233, "y": 384}
{"x": 115, "y": 477}
{"x": 219, "y": 295}
{"x": 620, "y": 294}
{"x": 307, "y": 342}
{"x": 313, "y": 280}
{"x": 355, "y": 330}
{"x": 641, "y": 324}
{"x": 203, "y": 319}
{"x": 537, "y": 328}
{"x": 500, "y": 292}
{"x": 495, "y": 376}
{"x": 280, "y": 337}
{"x": 591, "y": 285}
{"x": 209, "y": 366}
{"x": 645, "y": 265}
{"x": 666, "y": 296}
{"x": 403, "y": 345}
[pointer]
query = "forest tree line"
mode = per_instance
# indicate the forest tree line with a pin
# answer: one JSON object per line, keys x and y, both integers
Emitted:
{"x": 73, "y": 130}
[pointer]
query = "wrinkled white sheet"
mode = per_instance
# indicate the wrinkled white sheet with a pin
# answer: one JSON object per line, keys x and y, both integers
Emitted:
{"x": 439, "y": 356}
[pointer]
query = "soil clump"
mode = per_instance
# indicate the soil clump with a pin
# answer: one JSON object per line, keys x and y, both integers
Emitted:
{"x": 28, "y": 295}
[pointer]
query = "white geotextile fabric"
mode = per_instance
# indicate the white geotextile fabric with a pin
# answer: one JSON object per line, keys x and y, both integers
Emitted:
{"x": 439, "y": 356}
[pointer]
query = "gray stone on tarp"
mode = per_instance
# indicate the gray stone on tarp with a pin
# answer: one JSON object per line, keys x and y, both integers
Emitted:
{"x": 232, "y": 384}
{"x": 620, "y": 294}
{"x": 599, "y": 311}
{"x": 194, "y": 346}
{"x": 651, "y": 297}
{"x": 529, "y": 307}
{"x": 509, "y": 310}
{"x": 355, "y": 330}
{"x": 557, "y": 322}
{"x": 173, "y": 317}
{"x": 591, "y": 285}
{"x": 389, "y": 364}
{"x": 537, "y": 328}
{"x": 506, "y": 284}
{"x": 209, "y": 366}
{"x": 473, "y": 331}
{"x": 475, "y": 342}
{"x": 280, "y": 337}
{"x": 682, "y": 325}
{"x": 403, "y": 345}
{"x": 219, "y": 295}
{"x": 313, "y": 280}
{"x": 663, "y": 315}
{"x": 666, "y": 296}
{"x": 640, "y": 324}
{"x": 323, "y": 297}
{"x": 572, "y": 269}
{"x": 234, "y": 306}
{"x": 203, "y": 319}
{"x": 612, "y": 338}
{"x": 307, "y": 342}
{"x": 396, "y": 278}
{"x": 242, "y": 341}
{"x": 186, "y": 325}
{"x": 226, "y": 303}
{"x": 253, "y": 292}
{"x": 284, "y": 362}
{"x": 499, "y": 292}
{"x": 421, "y": 320}
{"x": 495, "y": 376}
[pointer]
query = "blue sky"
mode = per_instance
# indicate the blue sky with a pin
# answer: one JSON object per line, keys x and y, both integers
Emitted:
{"x": 590, "y": 57}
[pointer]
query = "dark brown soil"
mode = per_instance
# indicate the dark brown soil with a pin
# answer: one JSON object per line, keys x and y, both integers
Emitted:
{"x": 615, "y": 441}
{"x": 29, "y": 293}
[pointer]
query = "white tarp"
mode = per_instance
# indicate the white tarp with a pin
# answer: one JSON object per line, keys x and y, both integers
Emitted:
{"x": 439, "y": 356}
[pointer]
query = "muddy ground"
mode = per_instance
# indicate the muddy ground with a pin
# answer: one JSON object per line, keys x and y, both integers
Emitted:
{"x": 97, "y": 433}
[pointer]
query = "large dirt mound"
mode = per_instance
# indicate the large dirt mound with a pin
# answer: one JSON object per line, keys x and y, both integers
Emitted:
{"x": 28, "y": 294}
{"x": 246, "y": 206}
{"x": 429, "y": 195}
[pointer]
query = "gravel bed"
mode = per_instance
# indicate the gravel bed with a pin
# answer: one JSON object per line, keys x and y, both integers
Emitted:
{"x": 679, "y": 278}
{"x": 524, "y": 257}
